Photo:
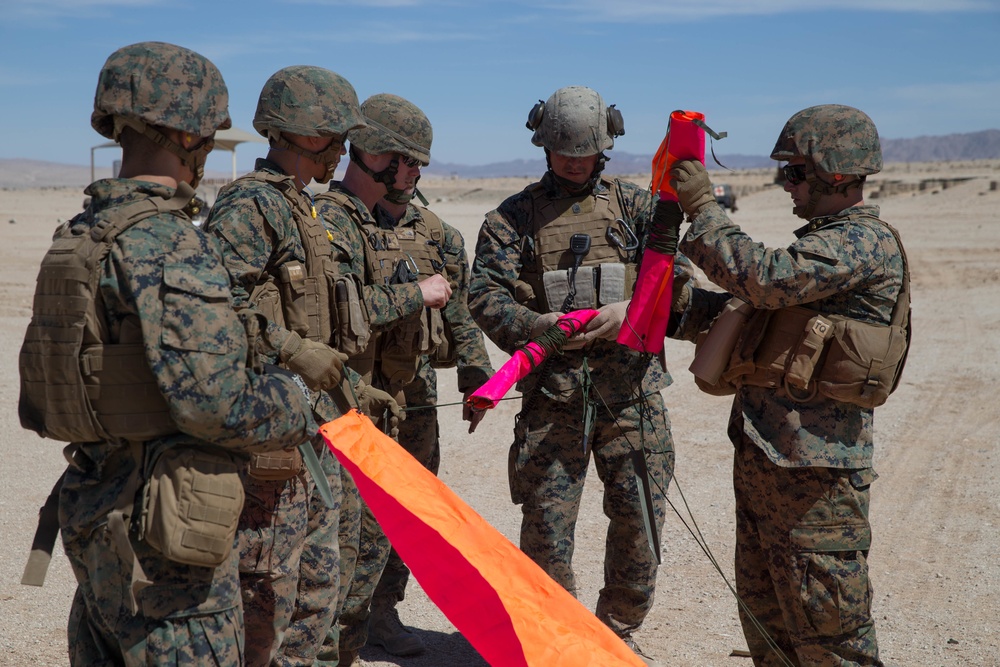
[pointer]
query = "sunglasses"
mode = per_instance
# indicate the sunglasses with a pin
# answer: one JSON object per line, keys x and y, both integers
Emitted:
{"x": 794, "y": 173}
{"x": 410, "y": 162}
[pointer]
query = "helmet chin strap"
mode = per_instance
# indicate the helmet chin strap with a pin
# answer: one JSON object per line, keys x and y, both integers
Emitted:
{"x": 387, "y": 176}
{"x": 572, "y": 186}
{"x": 194, "y": 159}
{"x": 819, "y": 187}
{"x": 329, "y": 157}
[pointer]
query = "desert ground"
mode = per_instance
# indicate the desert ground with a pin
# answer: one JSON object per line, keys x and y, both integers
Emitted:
{"x": 935, "y": 507}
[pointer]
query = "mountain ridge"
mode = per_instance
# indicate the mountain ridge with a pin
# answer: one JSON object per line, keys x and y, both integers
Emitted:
{"x": 982, "y": 145}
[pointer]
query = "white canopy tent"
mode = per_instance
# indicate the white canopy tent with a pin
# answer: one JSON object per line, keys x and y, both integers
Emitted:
{"x": 226, "y": 140}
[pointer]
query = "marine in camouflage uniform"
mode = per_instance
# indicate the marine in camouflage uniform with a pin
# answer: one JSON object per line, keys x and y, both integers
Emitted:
{"x": 600, "y": 398}
{"x": 393, "y": 145}
{"x": 164, "y": 285}
{"x": 290, "y": 560}
{"x": 419, "y": 433}
{"x": 803, "y": 463}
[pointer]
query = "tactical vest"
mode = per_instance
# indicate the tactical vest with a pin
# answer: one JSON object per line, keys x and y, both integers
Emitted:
{"x": 296, "y": 296}
{"x": 396, "y": 256}
{"x": 76, "y": 386}
{"x": 810, "y": 354}
{"x": 607, "y": 273}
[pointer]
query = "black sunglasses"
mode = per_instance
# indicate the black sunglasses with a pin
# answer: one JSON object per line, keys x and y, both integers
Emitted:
{"x": 794, "y": 173}
{"x": 410, "y": 162}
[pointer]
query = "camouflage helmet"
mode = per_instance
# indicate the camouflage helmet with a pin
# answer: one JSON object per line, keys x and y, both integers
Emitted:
{"x": 160, "y": 85}
{"x": 307, "y": 101}
{"x": 575, "y": 122}
{"x": 837, "y": 139}
{"x": 394, "y": 125}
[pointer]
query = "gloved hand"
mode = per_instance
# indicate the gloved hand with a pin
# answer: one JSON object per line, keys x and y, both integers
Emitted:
{"x": 319, "y": 365}
{"x": 469, "y": 414}
{"x": 607, "y": 323}
{"x": 681, "y": 297}
{"x": 543, "y": 323}
{"x": 689, "y": 178}
{"x": 376, "y": 403}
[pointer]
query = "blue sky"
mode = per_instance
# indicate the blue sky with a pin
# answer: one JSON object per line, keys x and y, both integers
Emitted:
{"x": 918, "y": 67}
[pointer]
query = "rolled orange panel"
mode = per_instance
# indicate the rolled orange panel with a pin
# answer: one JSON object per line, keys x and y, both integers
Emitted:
{"x": 513, "y": 613}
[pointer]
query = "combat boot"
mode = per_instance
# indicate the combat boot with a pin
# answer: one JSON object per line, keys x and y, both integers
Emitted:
{"x": 630, "y": 642}
{"x": 386, "y": 630}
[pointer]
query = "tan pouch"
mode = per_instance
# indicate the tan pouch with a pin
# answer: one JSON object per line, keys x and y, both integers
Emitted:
{"x": 275, "y": 466}
{"x": 351, "y": 331}
{"x": 863, "y": 363}
{"x": 191, "y": 505}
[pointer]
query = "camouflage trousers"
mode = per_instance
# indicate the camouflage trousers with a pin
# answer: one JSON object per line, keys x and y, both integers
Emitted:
{"x": 289, "y": 566}
{"x": 419, "y": 435}
{"x": 349, "y": 535}
{"x": 802, "y": 540}
{"x": 187, "y": 616}
{"x": 547, "y": 468}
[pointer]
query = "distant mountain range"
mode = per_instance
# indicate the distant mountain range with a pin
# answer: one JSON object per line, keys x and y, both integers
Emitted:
{"x": 984, "y": 145}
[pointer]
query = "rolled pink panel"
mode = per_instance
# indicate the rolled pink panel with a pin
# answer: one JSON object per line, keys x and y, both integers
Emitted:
{"x": 648, "y": 313}
{"x": 685, "y": 140}
{"x": 522, "y": 361}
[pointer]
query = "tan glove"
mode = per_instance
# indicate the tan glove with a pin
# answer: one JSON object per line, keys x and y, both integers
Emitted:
{"x": 378, "y": 404}
{"x": 543, "y": 323}
{"x": 689, "y": 178}
{"x": 319, "y": 365}
{"x": 470, "y": 414}
{"x": 607, "y": 323}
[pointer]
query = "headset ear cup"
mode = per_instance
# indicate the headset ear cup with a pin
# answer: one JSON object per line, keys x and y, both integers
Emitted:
{"x": 535, "y": 115}
{"x": 616, "y": 123}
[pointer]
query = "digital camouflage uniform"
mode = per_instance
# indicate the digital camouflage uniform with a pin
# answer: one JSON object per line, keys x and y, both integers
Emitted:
{"x": 386, "y": 305}
{"x": 167, "y": 278}
{"x": 802, "y": 470}
{"x": 419, "y": 432}
{"x": 548, "y": 462}
{"x": 290, "y": 561}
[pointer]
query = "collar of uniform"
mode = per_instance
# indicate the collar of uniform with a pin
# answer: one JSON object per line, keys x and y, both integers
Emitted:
{"x": 263, "y": 164}
{"x": 109, "y": 192}
{"x": 556, "y": 190}
{"x": 865, "y": 211}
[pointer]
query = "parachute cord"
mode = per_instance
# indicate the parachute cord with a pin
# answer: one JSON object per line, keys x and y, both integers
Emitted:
{"x": 693, "y": 529}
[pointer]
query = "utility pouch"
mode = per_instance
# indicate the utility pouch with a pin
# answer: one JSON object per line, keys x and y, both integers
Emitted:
{"x": 266, "y": 298}
{"x": 804, "y": 359}
{"x": 613, "y": 286}
{"x": 191, "y": 505}
{"x": 294, "y": 297}
{"x": 524, "y": 294}
{"x": 400, "y": 350}
{"x": 275, "y": 466}
{"x": 864, "y": 363}
{"x": 556, "y": 286}
{"x": 351, "y": 331}
{"x": 445, "y": 355}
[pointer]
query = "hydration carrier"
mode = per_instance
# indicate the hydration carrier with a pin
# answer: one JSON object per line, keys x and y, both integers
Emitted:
{"x": 75, "y": 386}
{"x": 607, "y": 273}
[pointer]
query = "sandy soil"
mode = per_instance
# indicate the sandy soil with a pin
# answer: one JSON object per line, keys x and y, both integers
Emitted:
{"x": 935, "y": 508}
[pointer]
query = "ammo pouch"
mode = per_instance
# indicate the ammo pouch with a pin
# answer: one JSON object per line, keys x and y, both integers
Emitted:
{"x": 275, "y": 466}
{"x": 299, "y": 297}
{"x": 191, "y": 504}
{"x": 350, "y": 328}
